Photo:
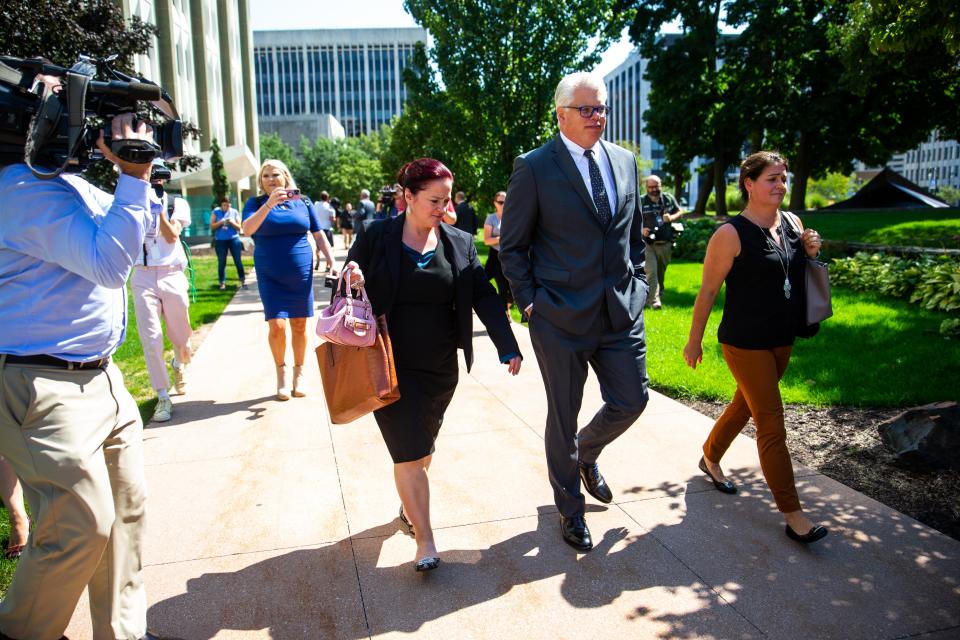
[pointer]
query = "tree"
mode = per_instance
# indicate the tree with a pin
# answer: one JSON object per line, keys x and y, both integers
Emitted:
{"x": 820, "y": 116}
{"x": 693, "y": 104}
{"x": 221, "y": 186}
{"x": 272, "y": 147}
{"x": 917, "y": 41}
{"x": 500, "y": 62}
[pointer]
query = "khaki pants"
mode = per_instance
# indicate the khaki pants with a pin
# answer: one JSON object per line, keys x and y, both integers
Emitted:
{"x": 75, "y": 439}
{"x": 758, "y": 373}
{"x": 657, "y": 257}
{"x": 162, "y": 292}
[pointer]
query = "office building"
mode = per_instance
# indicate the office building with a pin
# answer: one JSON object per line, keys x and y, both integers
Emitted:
{"x": 934, "y": 163}
{"x": 203, "y": 57}
{"x": 629, "y": 93}
{"x": 353, "y": 75}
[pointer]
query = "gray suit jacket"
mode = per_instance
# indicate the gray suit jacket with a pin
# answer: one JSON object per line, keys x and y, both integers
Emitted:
{"x": 554, "y": 251}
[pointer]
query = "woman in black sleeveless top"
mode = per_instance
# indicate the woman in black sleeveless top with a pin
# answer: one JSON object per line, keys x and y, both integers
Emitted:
{"x": 426, "y": 278}
{"x": 760, "y": 256}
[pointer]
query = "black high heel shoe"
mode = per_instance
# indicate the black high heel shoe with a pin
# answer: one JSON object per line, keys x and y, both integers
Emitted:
{"x": 407, "y": 523}
{"x": 724, "y": 487}
{"x": 427, "y": 564}
{"x": 817, "y": 532}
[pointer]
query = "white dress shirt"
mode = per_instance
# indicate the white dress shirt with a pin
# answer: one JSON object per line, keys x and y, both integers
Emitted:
{"x": 583, "y": 166}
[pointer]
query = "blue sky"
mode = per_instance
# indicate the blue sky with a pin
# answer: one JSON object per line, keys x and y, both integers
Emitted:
{"x": 304, "y": 14}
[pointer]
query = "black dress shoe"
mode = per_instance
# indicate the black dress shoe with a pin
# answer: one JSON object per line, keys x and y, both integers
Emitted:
{"x": 575, "y": 533}
{"x": 725, "y": 487}
{"x": 816, "y": 532}
{"x": 594, "y": 482}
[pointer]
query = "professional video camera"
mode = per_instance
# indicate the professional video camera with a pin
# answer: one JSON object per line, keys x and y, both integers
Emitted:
{"x": 58, "y": 130}
{"x": 386, "y": 196}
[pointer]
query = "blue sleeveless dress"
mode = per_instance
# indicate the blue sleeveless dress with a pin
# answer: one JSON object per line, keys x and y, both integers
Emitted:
{"x": 283, "y": 257}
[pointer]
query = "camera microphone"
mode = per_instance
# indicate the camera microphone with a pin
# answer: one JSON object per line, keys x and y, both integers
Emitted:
{"x": 131, "y": 90}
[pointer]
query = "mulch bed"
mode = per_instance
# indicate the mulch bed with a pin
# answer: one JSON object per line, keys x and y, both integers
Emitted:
{"x": 842, "y": 443}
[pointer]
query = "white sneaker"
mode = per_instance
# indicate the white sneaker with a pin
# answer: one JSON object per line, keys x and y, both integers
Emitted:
{"x": 164, "y": 410}
{"x": 179, "y": 376}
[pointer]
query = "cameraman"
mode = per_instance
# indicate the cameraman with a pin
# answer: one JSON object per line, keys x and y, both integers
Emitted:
{"x": 67, "y": 424}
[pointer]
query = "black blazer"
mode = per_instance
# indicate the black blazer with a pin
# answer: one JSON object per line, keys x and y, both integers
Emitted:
{"x": 378, "y": 250}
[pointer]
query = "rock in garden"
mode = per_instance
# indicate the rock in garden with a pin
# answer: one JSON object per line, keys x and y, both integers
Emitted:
{"x": 927, "y": 436}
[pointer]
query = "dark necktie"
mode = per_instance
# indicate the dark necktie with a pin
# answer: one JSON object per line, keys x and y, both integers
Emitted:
{"x": 600, "y": 197}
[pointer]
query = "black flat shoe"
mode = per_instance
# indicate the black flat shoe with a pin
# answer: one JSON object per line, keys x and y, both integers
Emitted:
{"x": 594, "y": 482}
{"x": 407, "y": 523}
{"x": 816, "y": 532}
{"x": 575, "y": 533}
{"x": 724, "y": 487}
{"x": 427, "y": 564}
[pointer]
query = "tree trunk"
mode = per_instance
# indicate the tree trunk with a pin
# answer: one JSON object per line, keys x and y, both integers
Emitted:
{"x": 801, "y": 174}
{"x": 756, "y": 140}
{"x": 701, "y": 206}
{"x": 678, "y": 185}
{"x": 720, "y": 186}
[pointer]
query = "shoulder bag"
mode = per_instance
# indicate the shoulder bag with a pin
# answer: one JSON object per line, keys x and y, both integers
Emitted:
{"x": 358, "y": 380}
{"x": 818, "y": 305}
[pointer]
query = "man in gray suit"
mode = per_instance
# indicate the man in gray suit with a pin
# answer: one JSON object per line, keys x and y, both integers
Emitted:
{"x": 571, "y": 245}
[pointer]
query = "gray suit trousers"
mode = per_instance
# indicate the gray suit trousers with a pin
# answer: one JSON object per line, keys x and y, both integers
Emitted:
{"x": 619, "y": 361}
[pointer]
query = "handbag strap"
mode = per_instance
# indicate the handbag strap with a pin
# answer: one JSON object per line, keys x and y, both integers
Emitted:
{"x": 343, "y": 287}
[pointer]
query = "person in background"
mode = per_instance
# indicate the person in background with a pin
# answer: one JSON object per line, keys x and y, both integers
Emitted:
{"x": 326, "y": 215}
{"x": 11, "y": 491}
{"x": 225, "y": 224}
{"x": 366, "y": 210}
{"x": 450, "y": 215}
{"x": 760, "y": 255}
{"x": 660, "y": 210}
{"x": 346, "y": 224}
{"x": 491, "y": 238}
{"x": 279, "y": 221}
{"x": 425, "y": 276}
{"x": 161, "y": 291}
{"x": 466, "y": 215}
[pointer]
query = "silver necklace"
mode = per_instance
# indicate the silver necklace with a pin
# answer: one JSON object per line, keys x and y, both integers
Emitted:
{"x": 782, "y": 258}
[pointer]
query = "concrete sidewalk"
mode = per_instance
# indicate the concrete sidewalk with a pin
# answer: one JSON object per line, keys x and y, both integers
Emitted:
{"x": 266, "y": 521}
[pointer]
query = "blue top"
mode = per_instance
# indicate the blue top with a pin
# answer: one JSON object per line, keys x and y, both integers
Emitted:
{"x": 66, "y": 249}
{"x": 226, "y": 232}
{"x": 293, "y": 217}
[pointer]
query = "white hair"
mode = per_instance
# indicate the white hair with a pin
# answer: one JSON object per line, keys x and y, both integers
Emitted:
{"x": 570, "y": 82}
{"x": 654, "y": 177}
{"x": 364, "y": 194}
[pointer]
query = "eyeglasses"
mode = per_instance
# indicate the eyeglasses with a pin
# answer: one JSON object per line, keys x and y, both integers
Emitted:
{"x": 587, "y": 111}
{"x": 498, "y": 201}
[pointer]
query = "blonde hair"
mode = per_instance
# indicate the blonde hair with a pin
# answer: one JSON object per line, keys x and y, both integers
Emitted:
{"x": 289, "y": 182}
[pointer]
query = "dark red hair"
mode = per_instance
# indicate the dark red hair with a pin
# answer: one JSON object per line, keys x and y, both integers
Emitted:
{"x": 415, "y": 175}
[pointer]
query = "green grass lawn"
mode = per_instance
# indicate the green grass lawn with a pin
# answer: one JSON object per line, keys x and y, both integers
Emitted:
{"x": 874, "y": 351}
{"x": 901, "y": 227}
{"x": 210, "y": 303}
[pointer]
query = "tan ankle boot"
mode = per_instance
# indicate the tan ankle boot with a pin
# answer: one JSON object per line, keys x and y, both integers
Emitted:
{"x": 298, "y": 385}
{"x": 283, "y": 387}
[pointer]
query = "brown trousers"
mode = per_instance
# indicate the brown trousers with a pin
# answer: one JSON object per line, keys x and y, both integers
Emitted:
{"x": 758, "y": 373}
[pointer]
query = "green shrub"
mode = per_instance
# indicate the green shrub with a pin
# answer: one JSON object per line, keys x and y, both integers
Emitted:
{"x": 735, "y": 203}
{"x": 692, "y": 243}
{"x": 816, "y": 201}
{"x": 931, "y": 282}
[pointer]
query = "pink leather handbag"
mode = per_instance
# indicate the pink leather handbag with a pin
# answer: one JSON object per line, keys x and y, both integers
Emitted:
{"x": 348, "y": 321}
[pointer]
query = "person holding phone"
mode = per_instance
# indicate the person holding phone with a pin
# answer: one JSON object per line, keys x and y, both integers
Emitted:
{"x": 279, "y": 221}
{"x": 225, "y": 224}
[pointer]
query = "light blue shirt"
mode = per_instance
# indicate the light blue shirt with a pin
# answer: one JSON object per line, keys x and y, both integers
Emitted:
{"x": 583, "y": 166}
{"x": 66, "y": 249}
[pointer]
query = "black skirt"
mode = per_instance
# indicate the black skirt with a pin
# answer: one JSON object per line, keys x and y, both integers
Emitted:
{"x": 422, "y": 328}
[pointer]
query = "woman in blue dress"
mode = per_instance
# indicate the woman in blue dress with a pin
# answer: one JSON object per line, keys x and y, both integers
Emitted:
{"x": 279, "y": 221}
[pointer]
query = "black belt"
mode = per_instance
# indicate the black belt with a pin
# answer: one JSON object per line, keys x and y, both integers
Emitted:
{"x": 50, "y": 361}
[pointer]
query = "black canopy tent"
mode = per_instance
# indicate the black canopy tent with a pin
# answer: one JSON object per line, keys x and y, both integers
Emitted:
{"x": 889, "y": 190}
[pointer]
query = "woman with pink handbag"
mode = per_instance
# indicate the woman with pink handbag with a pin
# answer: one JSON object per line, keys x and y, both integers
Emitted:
{"x": 425, "y": 277}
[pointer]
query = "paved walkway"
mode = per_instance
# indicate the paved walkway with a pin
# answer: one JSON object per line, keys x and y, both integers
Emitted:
{"x": 265, "y": 521}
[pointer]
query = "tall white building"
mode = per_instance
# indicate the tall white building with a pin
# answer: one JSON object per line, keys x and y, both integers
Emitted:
{"x": 628, "y": 94}
{"x": 203, "y": 57}
{"x": 354, "y": 75}
{"x": 933, "y": 164}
